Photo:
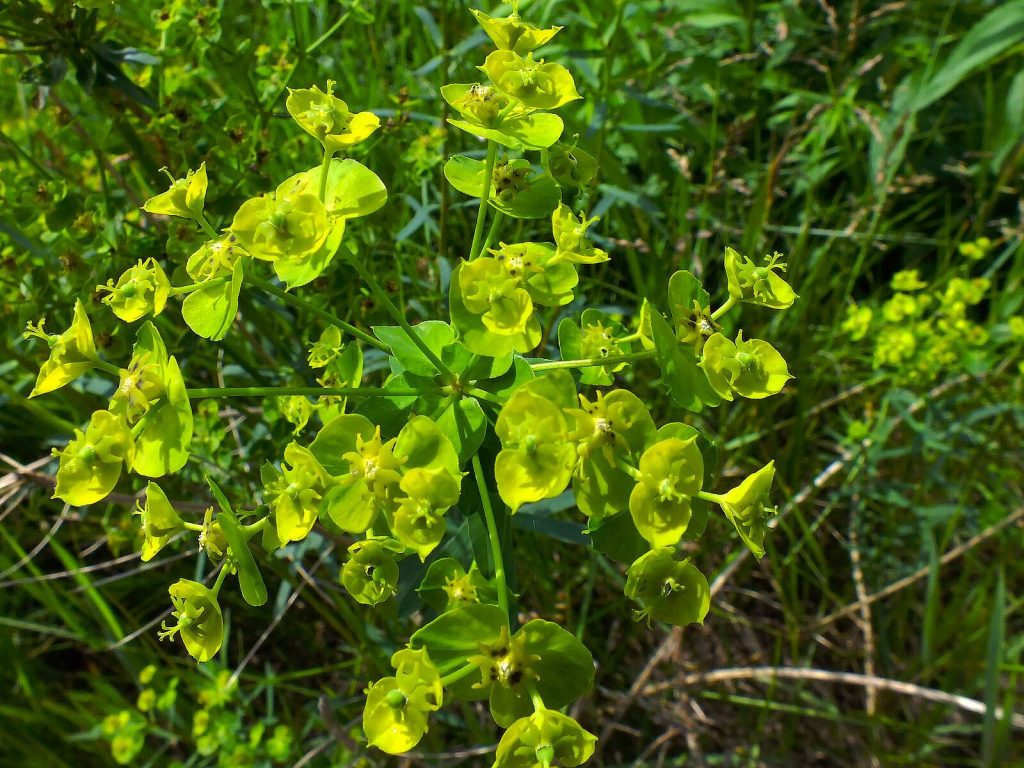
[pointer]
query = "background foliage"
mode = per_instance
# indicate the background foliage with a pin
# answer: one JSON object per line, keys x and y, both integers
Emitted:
{"x": 859, "y": 138}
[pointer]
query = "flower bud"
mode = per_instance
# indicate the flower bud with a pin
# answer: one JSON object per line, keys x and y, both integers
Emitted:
{"x": 535, "y": 84}
{"x": 536, "y": 457}
{"x": 749, "y": 368}
{"x": 544, "y": 739}
{"x": 514, "y": 34}
{"x": 90, "y": 464}
{"x": 670, "y": 473}
{"x": 327, "y": 118}
{"x": 295, "y": 493}
{"x": 72, "y": 353}
{"x": 571, "y": 166}
{"x": 197, "y": 618}
{"x": 571, "y": 242}
{"x": 758, "y": 285}
{"x": 419, "y": 520}
{"x": 747, "y": 507}
{"x": 667, "y": 589}
{"x": 184, "y": 198}
{"x": 371, "y": 574}
{"x": 273, "y": 226}
{"x": 141, "y": 290}
{"x": 395, "y": 715}
{"x": 159, "y": 521}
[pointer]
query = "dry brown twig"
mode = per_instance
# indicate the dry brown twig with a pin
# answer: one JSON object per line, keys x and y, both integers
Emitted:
{"x": 829, "y": 676}
{"x": 922, "y": 573}
{"x": 871, "y": 698}
{"x": 823, "y": 477}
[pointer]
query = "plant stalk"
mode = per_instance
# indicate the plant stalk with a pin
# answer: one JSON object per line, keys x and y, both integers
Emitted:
{"x": 492, "y": 536}
{"x": 485, "y": 195}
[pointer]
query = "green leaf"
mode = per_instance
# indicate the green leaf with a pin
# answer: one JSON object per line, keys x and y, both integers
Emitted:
{"x": 565, "y": 670}
{"x": 337, "y": 438}
{"x": 162, "y": 445}
{"x": 465, "y": 425}
{"x": 537, "y": 130}
{"x": 438, "y": 574}
{"x": 466, "y": 175}
{"x": 456, "y": 635}
{"x": 475, "y": 334}
{"x": 708, "y": 449}
{"x": 508, "y": 382}
{"x": 304, "y": 268}
{"x": 353, "y": 190}
{"x": 210, "y": 311}
{"x": 686, "y": 382}
{"x": 421, "y": 443}
{"x": 538, "y": 196}
{"x": 999, "y": 31}
{"x": 249, "y": 579}
{"x": 618, "y": 538}
{"x": 349, "y": 506}
{"x": 434, "y": 333}
{"x": 683, "y": 290}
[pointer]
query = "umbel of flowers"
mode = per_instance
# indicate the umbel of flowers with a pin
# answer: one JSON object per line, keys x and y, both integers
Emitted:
{"x": 396, "y": 465}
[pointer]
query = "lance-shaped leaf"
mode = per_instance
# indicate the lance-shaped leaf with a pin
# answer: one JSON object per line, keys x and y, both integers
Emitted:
{"x": 687, "y": 384}
{"x": 249, "y": 578}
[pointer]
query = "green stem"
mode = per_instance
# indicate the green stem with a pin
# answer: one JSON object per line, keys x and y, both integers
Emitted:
{"x": 482, "y": 394}
{"x": 253, "y": 528}
{"x": 459, "y": 674}
{"x": 535, "y": 697}
{"x": 729, "y": 304}
{"x": 221, "y": 575}
{"x": 592, "y": 362}
{"x": 381, "y": 295}
{"x": 141, "y": 423}
{"x": 305, "y": 306}
{"x": 204, "y": 392}
{"x": 485, "y": 195}
{"x": 492, "y": 231}
{"x": 207, "y": 227}
{"x": 492, "y": 535}
{"x": 325, "y": 167}
{"x": 326, "y": 35}
{"x": 110, "y": 368}
{"x": 183, "y": 289}
{"x": 628, "y": 468}
{"x": 193, "y": 527}
{"x": 707, "y": 496}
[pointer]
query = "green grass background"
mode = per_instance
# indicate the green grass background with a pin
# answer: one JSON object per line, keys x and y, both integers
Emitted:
{"x": 857, "y": 137}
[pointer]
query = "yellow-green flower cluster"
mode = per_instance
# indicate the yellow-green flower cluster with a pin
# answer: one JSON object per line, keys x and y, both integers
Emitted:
{"x": 493, "y": 298}
{"x": 616, "y": 458}
{"x": 355, "y": 478}
{"x": 922, "y": 330}
{"x": 512, "y": 109}
{"x": 146, "y": 427}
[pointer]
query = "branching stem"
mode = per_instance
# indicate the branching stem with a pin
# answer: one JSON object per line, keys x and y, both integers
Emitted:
{"x": 492, "y": 535}
{"x": 485, "y": 195}
{"x": 399, "y": 316}
{"x": 592, "y": 362}
{"x": 204, "y": 392}
{"x": 300, "y": 303}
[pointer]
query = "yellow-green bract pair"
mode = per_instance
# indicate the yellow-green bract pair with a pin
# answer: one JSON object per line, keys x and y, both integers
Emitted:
{"x": 509, "y": 111}
{"x": 197, "y": 617}
{"x": 493, "y": 297}
{"x": 523, "y": 675}
{"x": 353, "y": 476}
{"x": 147, "y": 426}
{"x": 617, "y": 459}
